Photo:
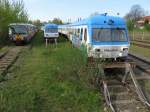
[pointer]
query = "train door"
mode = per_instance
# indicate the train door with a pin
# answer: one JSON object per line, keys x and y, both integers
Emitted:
{"x": 75, "y": 39}
{"x": 85, "y": 35}
{"x": 84, "y": 40}
{"x": 80, "y": 37}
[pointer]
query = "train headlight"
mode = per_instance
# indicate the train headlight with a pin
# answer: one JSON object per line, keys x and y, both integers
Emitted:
{"x": 18, "y": 37}
{"x": 125, "y": 49}
{"x": 97, "y": 50}
{"x": 120, "y": 54}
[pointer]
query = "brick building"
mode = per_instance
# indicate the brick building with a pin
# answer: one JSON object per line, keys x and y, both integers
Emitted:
{"x": 147, "y": 18}
{"x": 141, "y": 22}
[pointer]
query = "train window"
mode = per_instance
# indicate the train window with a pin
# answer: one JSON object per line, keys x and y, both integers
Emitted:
{"x": 20, "y": 29}
{"x": 51, "y": 30}
{"x": 85, "y": 35}
{"x": 109, "y": 35}
{"x": 71, "y": 31}
{"x": 118, "y": 34}
{"x": 81, "y": 33}
{"x": 76, "y": 30}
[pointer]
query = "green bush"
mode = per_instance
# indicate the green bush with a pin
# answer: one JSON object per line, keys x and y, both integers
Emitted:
{"x": 147, "y": 25}
{"x": 130, "y": 25}
{"x": 10, "y": 12}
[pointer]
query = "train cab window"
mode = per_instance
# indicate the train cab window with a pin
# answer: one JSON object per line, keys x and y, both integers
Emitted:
{"x": 51, "y": 30}
{"x": 109, "y": 35}
{"x": 85, "y": 35}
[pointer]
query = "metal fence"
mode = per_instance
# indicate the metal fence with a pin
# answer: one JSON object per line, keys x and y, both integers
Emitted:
{"x": 139, "y": 35}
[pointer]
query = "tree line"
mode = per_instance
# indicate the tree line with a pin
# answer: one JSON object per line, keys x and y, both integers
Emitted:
{"x": 136, "y": 14}
{"x": 39, "y": 23}
{"x": 10, "y": 12}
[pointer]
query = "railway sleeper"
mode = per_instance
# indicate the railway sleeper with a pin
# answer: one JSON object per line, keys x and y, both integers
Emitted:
{"x": 124, "y": 102}
{"x": 116, "y": 89}
{"x": 135, "y": 101}
{"x": 130, "y": 106}
{"x": 122, "y": 97}
{"x": 119, "y": 94}
{"x": 113, "y": 82}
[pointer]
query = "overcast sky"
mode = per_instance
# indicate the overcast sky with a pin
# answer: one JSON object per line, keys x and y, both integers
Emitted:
{"x": 72, "y": 9}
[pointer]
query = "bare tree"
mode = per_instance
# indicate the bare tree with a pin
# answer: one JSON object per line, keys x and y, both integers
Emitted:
{"x": 136, "y": 12}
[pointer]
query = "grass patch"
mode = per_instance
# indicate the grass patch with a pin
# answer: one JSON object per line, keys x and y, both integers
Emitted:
{"x": 139, "y": 50}
{"x": 50, "y": 80}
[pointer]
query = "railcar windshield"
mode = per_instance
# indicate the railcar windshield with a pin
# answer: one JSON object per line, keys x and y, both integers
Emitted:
{"x": 51, "y": 30}
{"x": 19, "y": 29}
{"x": 109, "y": 35}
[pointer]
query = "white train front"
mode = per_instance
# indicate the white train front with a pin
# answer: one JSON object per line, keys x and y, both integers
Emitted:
{"x": 100, "y": 36}
{"x": 50, "y": 31}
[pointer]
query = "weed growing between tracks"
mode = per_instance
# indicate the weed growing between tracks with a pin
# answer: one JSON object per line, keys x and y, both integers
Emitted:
{"x": 50, "y": 80}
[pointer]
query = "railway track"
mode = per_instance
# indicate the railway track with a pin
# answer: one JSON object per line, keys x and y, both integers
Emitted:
{"x": 141, "y": 63}
{"x": 141, "y": 44}
{"x": 7, "y": 58}
{"x": 121, "y": 90}
{"x": 142, "y": 41}
{"x": 121, "y": 98}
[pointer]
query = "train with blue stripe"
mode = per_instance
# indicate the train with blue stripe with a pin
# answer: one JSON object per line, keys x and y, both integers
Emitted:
{"x": 51, "y": 31}
{"x": 99, "y": 36}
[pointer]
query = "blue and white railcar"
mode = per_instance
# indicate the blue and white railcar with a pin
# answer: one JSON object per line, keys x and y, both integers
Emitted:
{"x": 100, "y": 36}
{"x": 51, "y": 31}
{"x": 63, "y": 29}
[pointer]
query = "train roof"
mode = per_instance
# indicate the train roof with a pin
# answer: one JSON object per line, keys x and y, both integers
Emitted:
{"x": 51, "y": 26}
{"x": 101, "y": 19}
{"x": 25, "y": 24}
